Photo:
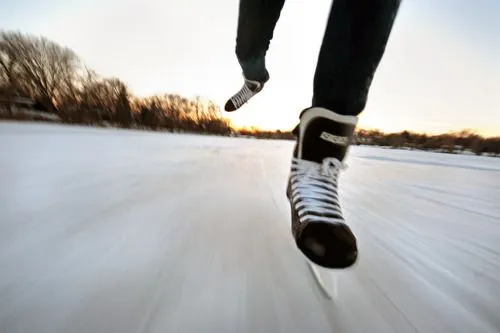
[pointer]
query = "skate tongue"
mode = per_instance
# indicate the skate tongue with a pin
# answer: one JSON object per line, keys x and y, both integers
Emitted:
{"x": 254, "y": 86}
{"x": 324, "y": 134}
{"x": 331, "y": 163}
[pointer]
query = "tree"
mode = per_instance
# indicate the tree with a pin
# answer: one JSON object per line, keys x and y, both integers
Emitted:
{"x": 123, "y": 109}
{"x": 38, "y": 68}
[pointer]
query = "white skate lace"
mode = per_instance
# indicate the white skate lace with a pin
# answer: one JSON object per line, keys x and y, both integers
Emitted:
{"x": 242, "y": 96}
{"x": 314, "y": 190}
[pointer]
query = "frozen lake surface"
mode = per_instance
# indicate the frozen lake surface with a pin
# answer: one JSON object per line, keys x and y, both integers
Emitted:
{"x": 103, "y": 230}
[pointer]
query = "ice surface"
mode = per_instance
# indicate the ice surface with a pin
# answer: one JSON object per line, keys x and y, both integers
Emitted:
{"x": 103, "y": 230}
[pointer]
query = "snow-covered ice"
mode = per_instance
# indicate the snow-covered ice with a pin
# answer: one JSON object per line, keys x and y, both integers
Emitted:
{"x": 105, "y": 230}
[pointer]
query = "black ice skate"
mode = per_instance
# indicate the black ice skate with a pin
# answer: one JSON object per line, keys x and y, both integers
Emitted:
{"x": 250, "y": 89}
{"x": 318, "y": 226}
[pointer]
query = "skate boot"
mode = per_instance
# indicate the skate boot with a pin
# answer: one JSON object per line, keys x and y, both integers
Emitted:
{"x": 318, "y": 226}
{"x": 250, "y": 89}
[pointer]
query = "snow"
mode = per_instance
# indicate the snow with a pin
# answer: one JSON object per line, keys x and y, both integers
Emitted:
{"x": 106, "y": 230}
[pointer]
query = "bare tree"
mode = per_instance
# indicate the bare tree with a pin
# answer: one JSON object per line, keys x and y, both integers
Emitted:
{"x": 123, "y": 110}
{"x": 9, "y": 68}
{"x": 39, "y": 68}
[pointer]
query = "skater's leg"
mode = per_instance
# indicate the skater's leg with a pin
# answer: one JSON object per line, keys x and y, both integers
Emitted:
{"x": 256, "y": 22}
{"x": 353, "y": 45}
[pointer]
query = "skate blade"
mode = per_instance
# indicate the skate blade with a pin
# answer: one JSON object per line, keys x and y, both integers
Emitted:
{"x": 325, "y": 279}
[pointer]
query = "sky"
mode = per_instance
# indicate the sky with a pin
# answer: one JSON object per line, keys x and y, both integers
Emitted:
{"x": 440, "y": 71}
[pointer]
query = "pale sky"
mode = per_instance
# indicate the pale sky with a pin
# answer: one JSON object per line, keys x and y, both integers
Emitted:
{"x": 440, "y": 72}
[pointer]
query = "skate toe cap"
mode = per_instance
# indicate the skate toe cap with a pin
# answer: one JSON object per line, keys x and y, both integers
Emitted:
{"x": 229, "y": 106}
{"x": 328, "y": 245}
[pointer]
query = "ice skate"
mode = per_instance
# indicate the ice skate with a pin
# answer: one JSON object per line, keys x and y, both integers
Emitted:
{"x": 250, "y": 89}
{"x": 318, "y": 225}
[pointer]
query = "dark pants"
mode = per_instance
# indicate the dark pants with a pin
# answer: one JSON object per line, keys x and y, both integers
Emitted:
{"x": 353, "y": 44}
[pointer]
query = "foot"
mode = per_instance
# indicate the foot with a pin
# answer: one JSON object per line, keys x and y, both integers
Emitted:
{"x": 318, "y": 225}
{"x": 250, "y": 88}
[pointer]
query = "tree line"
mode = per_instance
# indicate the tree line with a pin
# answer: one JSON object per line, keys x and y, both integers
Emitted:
{"x": 60, "y": 84}
{"x": 453, "y": 142}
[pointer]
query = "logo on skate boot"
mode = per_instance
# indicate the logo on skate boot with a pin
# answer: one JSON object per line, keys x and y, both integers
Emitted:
{"x": 335, "y": 139}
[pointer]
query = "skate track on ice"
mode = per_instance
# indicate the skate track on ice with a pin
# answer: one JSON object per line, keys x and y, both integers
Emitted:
{"x": 103, "y": 230}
